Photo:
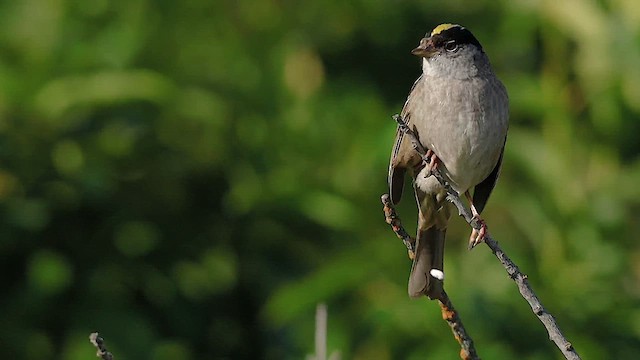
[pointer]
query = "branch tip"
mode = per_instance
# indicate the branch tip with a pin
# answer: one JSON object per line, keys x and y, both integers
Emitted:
{"x": 98, "y": 342}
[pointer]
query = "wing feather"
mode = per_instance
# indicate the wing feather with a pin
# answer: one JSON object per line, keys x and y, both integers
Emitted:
{"x": 402, "y": 154}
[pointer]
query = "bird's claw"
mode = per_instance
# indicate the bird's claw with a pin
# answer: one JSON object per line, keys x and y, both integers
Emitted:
{"x": 477, "y": 236}
{"x": 430, "y": 161}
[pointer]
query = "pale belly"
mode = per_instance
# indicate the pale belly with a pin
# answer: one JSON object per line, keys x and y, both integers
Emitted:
{"x": 466, "y": 136}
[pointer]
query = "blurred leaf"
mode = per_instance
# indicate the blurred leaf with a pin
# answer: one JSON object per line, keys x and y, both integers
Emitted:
{"x": 61, "y": 95}
{"x": 136, "y": 238}
{"x": 49, "y": 273}
{"x": 170, "y": 350}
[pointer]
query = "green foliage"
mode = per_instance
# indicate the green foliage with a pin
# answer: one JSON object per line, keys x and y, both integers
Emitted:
{"x": 192, "y": 178}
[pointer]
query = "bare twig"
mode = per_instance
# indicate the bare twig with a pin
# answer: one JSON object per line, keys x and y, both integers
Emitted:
{"x": 321, "y": 332}
{"x": 467, "y": 349}
{"x": 530, "y": 296}
{"x": 322, "y": 315}
{"x": 449, "y": 313}
{"x": 391, "y": 217}
{"x": 98, "y": 342}
{"x": 512, "y": 269}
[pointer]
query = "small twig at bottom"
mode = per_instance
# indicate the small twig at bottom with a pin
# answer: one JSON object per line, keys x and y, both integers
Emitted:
{"x": 451, "y": 316}
{"x": 321, "y": 332}
{"x": 98, "y": 342}
{"x": 467, "y": 349}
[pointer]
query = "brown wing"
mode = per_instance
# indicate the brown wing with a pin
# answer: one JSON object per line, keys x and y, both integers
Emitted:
{"x": 482, "y": 191}
{"x": 402, "y": 155}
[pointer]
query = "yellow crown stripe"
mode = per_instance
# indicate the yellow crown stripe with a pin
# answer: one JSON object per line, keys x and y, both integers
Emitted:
{"x": 442, "y": 27}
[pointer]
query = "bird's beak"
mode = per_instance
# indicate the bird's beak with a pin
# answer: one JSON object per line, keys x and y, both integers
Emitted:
{"x": 425, "y": 49}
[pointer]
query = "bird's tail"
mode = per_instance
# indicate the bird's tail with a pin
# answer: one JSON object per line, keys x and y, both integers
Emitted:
{"x": 429, "y": 257}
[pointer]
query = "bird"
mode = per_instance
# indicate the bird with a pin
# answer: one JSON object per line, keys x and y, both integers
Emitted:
{"x": 459, "y": 111}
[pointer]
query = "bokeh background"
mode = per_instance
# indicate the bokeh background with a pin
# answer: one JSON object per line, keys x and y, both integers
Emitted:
{"x": 191, "y": 178}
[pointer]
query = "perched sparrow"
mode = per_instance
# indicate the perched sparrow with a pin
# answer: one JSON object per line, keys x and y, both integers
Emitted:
{"x": 459, "y": 110}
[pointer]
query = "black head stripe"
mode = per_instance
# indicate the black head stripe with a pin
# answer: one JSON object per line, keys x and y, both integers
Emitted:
{"x": 459, "y": 34}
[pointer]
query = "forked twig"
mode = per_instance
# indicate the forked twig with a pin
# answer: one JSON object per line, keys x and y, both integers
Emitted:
{"x": 512, "y": 269}
{"x": 467, "y": 349}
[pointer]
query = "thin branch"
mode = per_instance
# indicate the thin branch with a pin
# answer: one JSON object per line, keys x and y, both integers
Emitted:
{"x": 512, "y": 269}
{"x": 449, "y": 313}
{"x": 467, "y": 349}
{"x": 321, "y": 332}
{"x": 98, "y": 342}
{"x": 391, "y": 217}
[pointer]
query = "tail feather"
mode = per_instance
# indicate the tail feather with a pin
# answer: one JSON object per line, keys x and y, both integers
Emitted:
{"x": 429, "y": 255}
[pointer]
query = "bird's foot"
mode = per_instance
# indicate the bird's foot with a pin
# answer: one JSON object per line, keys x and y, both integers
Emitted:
{"x": 430, "y": 161}
{"x": 477, "y": 236}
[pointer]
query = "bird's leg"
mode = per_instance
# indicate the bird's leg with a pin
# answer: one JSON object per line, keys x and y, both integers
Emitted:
{"x": 431, "y": 162}
{"x": 477, "y": 236}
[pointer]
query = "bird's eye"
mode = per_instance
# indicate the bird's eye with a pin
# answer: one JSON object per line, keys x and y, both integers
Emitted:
{"x": 451, "y": 46}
